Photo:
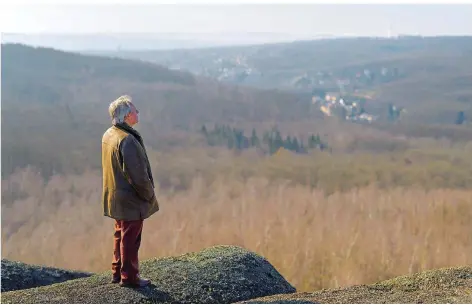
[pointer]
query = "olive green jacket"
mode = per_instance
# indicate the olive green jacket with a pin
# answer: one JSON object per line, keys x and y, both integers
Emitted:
{"x": 128, "y": 185}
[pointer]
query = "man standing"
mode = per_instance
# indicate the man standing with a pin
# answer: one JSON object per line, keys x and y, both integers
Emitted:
{"x": 128, "y": 190}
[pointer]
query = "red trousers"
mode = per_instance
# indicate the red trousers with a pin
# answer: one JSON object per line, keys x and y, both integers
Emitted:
{"x": 127, "y": 239}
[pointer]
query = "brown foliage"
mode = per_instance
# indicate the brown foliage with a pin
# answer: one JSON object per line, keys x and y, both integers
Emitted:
{"x": 316, "y": 241}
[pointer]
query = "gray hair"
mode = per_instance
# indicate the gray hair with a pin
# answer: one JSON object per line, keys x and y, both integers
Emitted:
{"x": 119, "y": 108}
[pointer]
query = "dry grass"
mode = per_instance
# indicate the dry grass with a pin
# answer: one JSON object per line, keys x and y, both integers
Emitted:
{"x": 315, "y": 241}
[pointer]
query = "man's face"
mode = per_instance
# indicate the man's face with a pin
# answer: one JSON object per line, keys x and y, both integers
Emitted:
{"x": 132, "y": 118}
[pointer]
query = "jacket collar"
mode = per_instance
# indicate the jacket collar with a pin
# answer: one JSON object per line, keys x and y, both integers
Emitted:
{"x": 125, "y": 127}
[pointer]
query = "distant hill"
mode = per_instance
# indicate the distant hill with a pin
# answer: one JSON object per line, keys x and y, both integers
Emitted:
{"x": 140, "y": 41}
{"x": 43, "y": 74}
{"x": 55, "y": 101}
{"x": 431, "y": 76}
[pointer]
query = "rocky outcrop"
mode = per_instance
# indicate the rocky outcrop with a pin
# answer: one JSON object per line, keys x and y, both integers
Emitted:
{"x": 17, "y": 275}
{"x": 223, "y": 274}
{"x": 447, "y": 285}
{"x": 220, "y": 274}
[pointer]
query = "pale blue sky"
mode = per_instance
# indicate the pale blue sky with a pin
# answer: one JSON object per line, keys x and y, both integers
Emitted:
{"x": 302, "y": 21}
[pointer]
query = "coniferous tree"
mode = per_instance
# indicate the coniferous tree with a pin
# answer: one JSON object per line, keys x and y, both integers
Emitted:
{"x": 391, "y": 112}
{"x": 312, "y": 141}
{"x": 295, "y": 145}
{"x": 238, "y": 136}
{"x": 204, "y": 130}
{"x": 271, "y": 144}
{"x": 254, "y": 138}
{"x": 230, "y": 141}
{"x": 302, "y": 146}
{"x": 278, "y": 141}
{"x": 288, "y": 143}
{"x": 460, "y": 118}
{"x": 233, "y": 138}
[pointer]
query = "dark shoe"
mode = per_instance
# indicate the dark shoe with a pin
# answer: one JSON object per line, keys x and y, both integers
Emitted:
{"x": 115, "y": 280}
{"x": 140, "y": 283}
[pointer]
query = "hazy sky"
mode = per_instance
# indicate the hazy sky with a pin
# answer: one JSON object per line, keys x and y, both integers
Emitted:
{"x": 296, "y": 21}
{"x": 304, "y": 19}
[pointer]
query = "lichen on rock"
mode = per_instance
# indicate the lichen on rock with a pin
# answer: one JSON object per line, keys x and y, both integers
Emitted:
{"x": 18, "y": 275}
{"x": 219, "y": 274}
{"x": 445, "y": 285}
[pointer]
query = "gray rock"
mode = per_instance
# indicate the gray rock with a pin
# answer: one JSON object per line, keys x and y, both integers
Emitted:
{"x": 438, "y": 286}
{"x": 220, "y": 274}
{"x": 17, "y": 275}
